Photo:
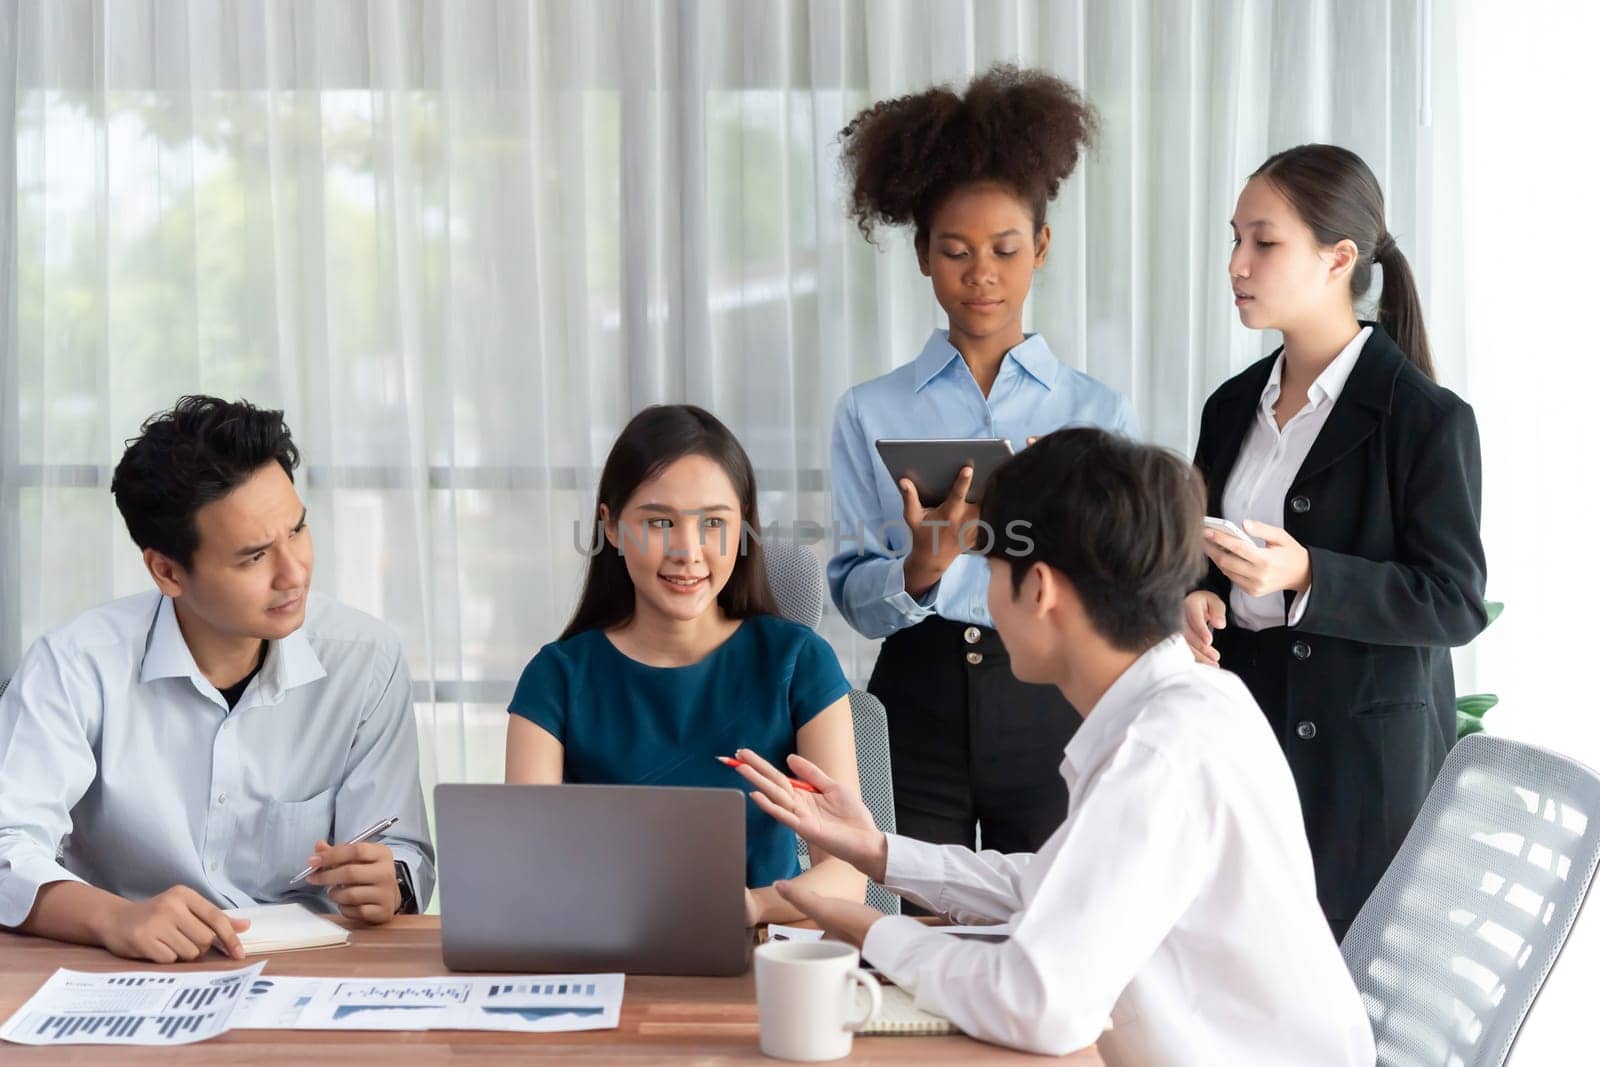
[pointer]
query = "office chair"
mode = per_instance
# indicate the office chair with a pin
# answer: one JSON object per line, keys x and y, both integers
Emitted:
{"x": 795, "y": 574}
{"x": 877, "y": 782}
{"x": 798, "y": 585}
{"x": 1453, "y": 946}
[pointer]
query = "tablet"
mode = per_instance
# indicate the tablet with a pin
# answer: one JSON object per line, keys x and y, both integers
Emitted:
{"x": 932, "y": 464}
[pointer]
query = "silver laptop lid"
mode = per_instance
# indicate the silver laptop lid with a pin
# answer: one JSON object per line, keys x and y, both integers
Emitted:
{"x": 639, "y": 879}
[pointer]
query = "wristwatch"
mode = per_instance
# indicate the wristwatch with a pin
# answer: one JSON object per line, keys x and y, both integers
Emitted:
{"x": 408, "y": 892}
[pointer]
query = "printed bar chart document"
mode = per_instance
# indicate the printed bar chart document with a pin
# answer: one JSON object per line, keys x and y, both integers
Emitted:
{"x": 154, "y": 1008}
{"x": 128, "y": 1008}
{"x": 525, "y": 1003}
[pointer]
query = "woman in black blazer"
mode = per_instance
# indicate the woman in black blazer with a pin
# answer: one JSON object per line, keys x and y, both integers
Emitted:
{"x": 1359, "y": 476}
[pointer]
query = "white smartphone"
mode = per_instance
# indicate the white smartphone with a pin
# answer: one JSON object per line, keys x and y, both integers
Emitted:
{"x": 1229, "y": 528}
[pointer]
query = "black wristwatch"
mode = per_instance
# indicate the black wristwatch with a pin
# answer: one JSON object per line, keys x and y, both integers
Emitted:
{"x": 408, "y": 892}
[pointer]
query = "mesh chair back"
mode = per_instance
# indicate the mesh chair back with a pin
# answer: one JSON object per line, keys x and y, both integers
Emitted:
{"x": 3, "y": 683}
{"x": 877, "y": 783}
{"x": 795, "y": 574}
{"x": 1452, "y": 947}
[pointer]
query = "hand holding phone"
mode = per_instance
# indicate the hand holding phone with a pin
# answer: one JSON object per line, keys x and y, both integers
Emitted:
{"x": 1231, "y": 529}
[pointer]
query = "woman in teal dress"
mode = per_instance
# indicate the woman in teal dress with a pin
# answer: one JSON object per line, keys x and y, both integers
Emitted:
{"x": 676, "y": 654}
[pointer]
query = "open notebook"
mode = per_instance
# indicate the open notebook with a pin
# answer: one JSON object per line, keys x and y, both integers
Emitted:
{"x": 282, "y": 927}
{"x": 900, "y": 1015}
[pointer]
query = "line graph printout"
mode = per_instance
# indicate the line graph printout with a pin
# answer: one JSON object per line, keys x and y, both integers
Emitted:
{"x": 79, "y": 1008}
{"x": 384, "y": 1004}
{"x": 526, "y": 1003}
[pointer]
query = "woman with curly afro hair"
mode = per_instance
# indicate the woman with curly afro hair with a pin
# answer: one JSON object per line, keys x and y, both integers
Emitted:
{"x": 971, "y": 173}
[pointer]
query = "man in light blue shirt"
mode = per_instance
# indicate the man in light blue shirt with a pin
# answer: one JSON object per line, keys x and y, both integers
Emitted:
{"x": 192, "y": 748}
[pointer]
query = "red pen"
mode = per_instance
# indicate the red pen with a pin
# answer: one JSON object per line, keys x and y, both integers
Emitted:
{"x": 805, "y": 787}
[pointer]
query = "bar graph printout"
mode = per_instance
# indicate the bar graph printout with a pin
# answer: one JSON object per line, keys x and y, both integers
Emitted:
{"x": 526, "y": 1003}
{"x": 129, "y": 1008}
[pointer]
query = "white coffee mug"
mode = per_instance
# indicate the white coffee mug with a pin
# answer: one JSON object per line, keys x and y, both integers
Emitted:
{"x": 805, "y": 994}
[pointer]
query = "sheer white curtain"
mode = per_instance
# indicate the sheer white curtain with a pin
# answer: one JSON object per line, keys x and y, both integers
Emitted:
{"x": 1520, "y": 294}
{"x": 460, "y": 243}
{"x": 1516, "y": 297}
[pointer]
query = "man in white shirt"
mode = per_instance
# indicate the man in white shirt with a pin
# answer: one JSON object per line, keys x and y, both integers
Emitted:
{"x": 193, "y": 747}
{"x": 1177, "y": 898}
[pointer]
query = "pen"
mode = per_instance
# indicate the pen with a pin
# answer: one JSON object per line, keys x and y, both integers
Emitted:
{"x": 366, "y": 835}
{"x": 804, "y": 787}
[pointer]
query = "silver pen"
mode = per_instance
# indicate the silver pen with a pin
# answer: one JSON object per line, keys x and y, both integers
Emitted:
{"x": 366, "y": 835}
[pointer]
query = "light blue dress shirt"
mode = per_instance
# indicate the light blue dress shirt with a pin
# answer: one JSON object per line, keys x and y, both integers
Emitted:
{"x": 121, "y": 765}
{"x": 935, "y": 395}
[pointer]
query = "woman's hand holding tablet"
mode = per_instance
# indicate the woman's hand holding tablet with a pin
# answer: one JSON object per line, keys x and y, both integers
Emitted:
{"x": 933, "y": 464}
{"x": 936, "y": 480}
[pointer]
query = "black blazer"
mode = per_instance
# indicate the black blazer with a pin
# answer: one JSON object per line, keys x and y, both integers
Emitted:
{"x": 1361, "y": 691}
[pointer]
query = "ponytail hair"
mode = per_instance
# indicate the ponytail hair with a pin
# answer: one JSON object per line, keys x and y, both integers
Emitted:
{"x": 1399, "y": 308}
{"x": 1335, "y": 193}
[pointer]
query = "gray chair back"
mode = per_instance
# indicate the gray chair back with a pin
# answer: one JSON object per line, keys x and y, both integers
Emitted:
{"x": 3, "y": 683}
{"x": 877, "y": 783}
{"x": 796, "y": 576}
{"x": 1453, "y": 945}
{"x": 801, "y": 590}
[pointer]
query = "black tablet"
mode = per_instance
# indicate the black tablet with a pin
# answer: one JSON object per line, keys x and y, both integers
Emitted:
{"x": 932, "y": 464}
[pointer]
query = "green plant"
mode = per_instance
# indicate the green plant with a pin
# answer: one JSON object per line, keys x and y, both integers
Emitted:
{"x": 1470, "y": 709}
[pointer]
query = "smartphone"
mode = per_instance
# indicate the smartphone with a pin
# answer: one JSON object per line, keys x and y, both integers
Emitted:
{"x": 1214, "y": 523}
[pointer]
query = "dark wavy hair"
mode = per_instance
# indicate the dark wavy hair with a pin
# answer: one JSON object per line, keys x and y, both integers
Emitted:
{"x": 1121, "y": 520}
{"x": 1022, "y": 129}
{"x": 653, "y": 440}
{"x": 1336, "y": 194}
{"x": 184, "y": 459}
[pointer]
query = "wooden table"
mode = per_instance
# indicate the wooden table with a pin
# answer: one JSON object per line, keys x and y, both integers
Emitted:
{"x": 664, "y": 1019}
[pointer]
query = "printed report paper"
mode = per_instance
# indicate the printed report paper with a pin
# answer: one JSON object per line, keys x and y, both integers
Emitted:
{"x": 128, "y": 1008}
{"x": 155, "y": 1008}
{"x": 523, "y": 1003}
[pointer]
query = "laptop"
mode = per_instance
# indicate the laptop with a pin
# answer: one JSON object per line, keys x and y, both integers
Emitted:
{"x": 592, "y": 878}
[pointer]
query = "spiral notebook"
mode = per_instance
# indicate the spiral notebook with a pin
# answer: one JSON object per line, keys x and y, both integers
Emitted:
{"x": 900, "y": 1016}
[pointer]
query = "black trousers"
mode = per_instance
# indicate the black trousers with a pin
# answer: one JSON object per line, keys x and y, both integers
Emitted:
{"x": 970, "y": 745}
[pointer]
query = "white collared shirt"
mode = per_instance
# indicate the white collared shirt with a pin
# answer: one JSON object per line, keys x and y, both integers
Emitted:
{"x": 122, "y": 766}
{"x": 1177, "y": 899}
{"x": 1269, "y": 459}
